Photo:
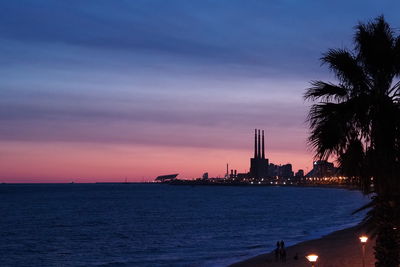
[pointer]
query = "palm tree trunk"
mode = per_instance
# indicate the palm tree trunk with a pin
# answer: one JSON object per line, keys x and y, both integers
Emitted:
{"x": 387, "y": 247}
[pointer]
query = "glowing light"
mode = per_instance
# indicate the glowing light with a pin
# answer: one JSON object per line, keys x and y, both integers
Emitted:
{"x": 312, "y": 257}
{"x": 363, "y": 239}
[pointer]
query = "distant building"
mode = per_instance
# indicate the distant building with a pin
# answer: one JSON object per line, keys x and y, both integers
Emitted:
{"x": 165, "y": 178}
{"x": 322, "y": 168}
{"x": 281, "y": 171}
{"x": 259, "y": 164}
{"x": 242, "y": 176}
{"x": 285, "y": 171}
{"x": 205, "y": 176}
{"x": 273, "y": 170}
{"x": 233, "y": 174}
{"x": 299, "y": 174}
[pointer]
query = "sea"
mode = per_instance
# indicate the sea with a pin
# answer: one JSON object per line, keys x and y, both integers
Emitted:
{"x": 162, "y": 225}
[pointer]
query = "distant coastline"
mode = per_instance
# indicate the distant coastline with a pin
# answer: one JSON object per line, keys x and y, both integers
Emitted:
{"x": 196, "y": 183}
{"x": 240, "y": 183}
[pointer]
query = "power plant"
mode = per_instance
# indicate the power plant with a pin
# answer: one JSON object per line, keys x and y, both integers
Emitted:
{"x": 262, "y": 172}
{"x": 259, "y": 164}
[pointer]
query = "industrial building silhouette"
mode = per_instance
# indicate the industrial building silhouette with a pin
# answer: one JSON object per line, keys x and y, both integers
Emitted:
{"x": 261, "y": 171}
{"x": 260, "y": 167}
{"x": 259, "y": 164}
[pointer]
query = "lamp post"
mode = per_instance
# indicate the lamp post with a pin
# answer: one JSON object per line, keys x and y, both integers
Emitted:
{"x": 363, "y": 240}
{"x": 312, "y": 258}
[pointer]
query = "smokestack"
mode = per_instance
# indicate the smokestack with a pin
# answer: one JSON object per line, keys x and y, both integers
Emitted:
{"x": 255, "y": 143}
{"x": 259, "y": 145}
{"x": 227, "y": 170}
{"x": 263, "y": 147}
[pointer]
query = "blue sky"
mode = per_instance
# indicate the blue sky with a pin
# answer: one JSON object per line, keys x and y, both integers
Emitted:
{"x": 173, "y": 74}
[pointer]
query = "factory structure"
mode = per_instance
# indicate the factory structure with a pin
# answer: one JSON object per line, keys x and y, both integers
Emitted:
{"x": 263, "y": 172}
{"x": 260, "y": 167}
{"x": 259, "y": 164}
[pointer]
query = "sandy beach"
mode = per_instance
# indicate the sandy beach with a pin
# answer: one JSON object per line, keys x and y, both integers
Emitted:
{"x": 341, "y": 248}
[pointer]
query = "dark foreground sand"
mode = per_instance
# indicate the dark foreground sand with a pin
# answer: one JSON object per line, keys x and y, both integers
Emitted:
{"x": 341, "y": 248}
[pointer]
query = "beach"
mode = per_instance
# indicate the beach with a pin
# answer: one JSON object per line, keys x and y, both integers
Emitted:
{"x": 341, "y": 248}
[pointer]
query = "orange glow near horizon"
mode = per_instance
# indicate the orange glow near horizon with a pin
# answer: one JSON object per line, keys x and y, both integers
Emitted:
{"x": 32, "y": 162}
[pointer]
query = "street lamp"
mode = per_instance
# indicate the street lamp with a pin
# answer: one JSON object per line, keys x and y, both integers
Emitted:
{"x": 312, "y": 258}
{"x": 363, "y": 240}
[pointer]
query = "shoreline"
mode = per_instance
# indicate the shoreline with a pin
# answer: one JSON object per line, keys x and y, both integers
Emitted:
{"x": 339, "y": 248}
{"x": 333, "y": 186}
{"x": 246, "y": 184}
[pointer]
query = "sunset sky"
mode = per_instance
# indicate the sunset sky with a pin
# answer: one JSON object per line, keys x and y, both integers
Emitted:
{"x": 106, "y": 90}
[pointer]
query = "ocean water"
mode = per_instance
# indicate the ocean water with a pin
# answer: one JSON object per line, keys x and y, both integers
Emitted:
{"x": 162, "y": 225}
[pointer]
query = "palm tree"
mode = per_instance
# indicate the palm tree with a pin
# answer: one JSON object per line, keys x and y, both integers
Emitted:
{"x": 357, "y": 121}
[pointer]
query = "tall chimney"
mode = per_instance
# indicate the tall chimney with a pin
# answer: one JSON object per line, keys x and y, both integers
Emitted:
{"x": 263, "y": 147}
{"x": 259, "y": 144}
{"x": 255, "y": 144}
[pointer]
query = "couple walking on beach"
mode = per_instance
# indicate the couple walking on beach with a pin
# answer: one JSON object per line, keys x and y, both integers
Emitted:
{"x": 280, "y": 251}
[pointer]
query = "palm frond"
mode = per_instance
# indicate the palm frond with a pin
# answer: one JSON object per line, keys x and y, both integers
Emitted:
{"x": 330, "y": 125}
{"x": 346, "y": 68}
{"x": 351, "y": 162}
{"x": 396, "y": 53}
{"x": 375, "y": 43}
{"x": 325, "y": 91}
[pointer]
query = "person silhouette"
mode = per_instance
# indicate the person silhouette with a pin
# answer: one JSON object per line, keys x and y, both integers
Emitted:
{"x": 283, "y": 254}
{"x": 277, "y": 251}
{"x": 282, "y": 251}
